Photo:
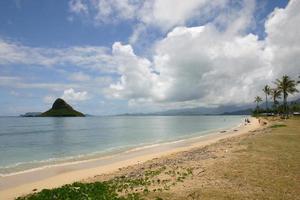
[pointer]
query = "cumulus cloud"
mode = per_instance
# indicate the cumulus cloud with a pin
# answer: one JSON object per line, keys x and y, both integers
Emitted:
{"x": 202, "y": 63}
{"x": 283, "y": 39}
{"x": 216, "y": 63}
{"x": 69, "y": 95}
{"x": 211, "y": 66}
{"x": 132, "y": 70}
{"x": 198, "y": 63}
{"x": 72, "y": 95}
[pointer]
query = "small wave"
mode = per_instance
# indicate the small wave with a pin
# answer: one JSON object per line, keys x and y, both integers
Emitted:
{"x": 22, "y": 167}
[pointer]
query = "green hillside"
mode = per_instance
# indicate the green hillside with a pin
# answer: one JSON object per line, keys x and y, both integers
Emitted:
{"x": 61, "y": 109}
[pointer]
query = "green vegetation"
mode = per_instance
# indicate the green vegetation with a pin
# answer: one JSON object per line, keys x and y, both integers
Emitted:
{"x": 61, "y": 109}
{"x": 276, "y": 94}
{"x": 77, "y": 191}
{"x": 284, "y": 87}
{"x": 82, "y": 191}
{"x": 257, "y": 101}
{"x": 62, "y": 113}
{"x": 267, "y": 91}
{"x": 278, "y": 125}
{"x": 118, "y": 188}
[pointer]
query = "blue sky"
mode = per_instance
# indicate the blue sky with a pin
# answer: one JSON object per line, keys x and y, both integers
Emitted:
{"x": 108, "y": 57}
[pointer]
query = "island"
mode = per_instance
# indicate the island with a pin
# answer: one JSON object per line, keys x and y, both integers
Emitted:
{"x": 31, "y": 114}
{"x": 61, "y": 109}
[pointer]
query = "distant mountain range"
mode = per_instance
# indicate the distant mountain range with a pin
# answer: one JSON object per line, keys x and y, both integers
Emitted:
{"x": 239, "y": 112}
{"x": 221, "y": 110}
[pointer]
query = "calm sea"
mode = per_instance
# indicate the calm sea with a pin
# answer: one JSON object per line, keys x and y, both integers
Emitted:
{"x": 27, "y": 143}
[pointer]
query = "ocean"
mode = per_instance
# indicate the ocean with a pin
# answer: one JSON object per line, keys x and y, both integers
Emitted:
{"x": 27, "y": 143}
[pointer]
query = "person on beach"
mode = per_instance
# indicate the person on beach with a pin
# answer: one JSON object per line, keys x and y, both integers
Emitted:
{"x": 247, "y": 121}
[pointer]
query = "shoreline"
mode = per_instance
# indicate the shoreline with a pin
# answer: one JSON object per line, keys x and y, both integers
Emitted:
{"x": 82, "y": 158}
{"x": 55, "y": 176}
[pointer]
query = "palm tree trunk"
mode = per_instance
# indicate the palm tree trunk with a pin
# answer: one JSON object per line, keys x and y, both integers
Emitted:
{"x": 274, "y": 105}
{"x": 285, "y": 105}
{"x": 257, "y": 107}
{"x": 266, "y": 103}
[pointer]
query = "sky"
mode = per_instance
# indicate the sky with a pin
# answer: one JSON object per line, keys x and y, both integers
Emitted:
{"x": 118, "y": 56}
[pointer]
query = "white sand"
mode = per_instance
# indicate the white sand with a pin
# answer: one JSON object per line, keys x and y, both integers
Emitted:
{"x": 54, "y": 176}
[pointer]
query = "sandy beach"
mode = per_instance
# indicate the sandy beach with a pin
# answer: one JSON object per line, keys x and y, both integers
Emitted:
{"x": 23, "y": 183}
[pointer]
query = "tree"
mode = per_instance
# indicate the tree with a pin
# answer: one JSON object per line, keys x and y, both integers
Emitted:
{"x": 267, "y": 91}
{"x": 287, "y": 86}
{"x": 276, "y": 94}
{"x": 257, "y": 100}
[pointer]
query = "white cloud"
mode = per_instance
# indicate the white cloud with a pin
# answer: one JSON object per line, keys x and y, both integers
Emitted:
{"x": 72, "y": 95}
{"x": 198, "y": 63}
{"x": 135, "y": 74}
{"x": 168, "y": 13}
{"x": 79, "y": 76}
{"x": 91, "y": 57}
{"x": 20, "y": 83}
{"x": 115, "y": 10}
{"x": 283, "y": 42}
{"x": 77, "y": 6}
{"x": 69, "y": 95}
{"x": 203, "y": 65}
{"x": 105, "y": 11}
{"x": 150, "y": 12}
{"x": 237, "y": 18}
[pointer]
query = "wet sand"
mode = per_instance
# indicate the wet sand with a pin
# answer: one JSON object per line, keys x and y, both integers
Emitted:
{"x": 54, "y": 176}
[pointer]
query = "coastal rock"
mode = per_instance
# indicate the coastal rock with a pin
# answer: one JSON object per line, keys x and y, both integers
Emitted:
{"x": 60, "y": 108}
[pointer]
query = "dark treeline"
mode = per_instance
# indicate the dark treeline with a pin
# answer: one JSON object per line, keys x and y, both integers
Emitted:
{"x": 276, "y": 98}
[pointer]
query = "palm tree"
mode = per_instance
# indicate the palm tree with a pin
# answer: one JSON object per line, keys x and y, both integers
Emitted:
{"x": 267, "y": 91}
{"x": 257, "y": 100}
{"x": 276, "y": 94}
{"x": 287, "y": 86}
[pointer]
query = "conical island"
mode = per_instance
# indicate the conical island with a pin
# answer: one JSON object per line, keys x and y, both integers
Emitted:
{"x": 61, "y": 109}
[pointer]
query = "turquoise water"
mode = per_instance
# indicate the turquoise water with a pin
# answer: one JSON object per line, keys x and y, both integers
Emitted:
{"x": 27, "y": 143}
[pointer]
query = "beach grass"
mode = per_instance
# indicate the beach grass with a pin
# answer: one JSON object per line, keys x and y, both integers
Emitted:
{"x": 263, "y": 164}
